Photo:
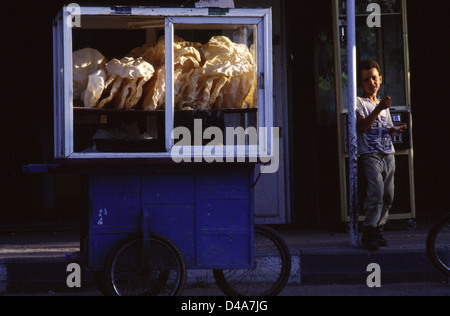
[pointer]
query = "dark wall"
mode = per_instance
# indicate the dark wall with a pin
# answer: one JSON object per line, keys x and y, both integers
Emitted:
{"x": 27, "y": 101}
{"x": 27, "y": 117}
{"x": 303, "y": 111}
{"x": 429, "y": 41}
{"x": 316, "y": 193}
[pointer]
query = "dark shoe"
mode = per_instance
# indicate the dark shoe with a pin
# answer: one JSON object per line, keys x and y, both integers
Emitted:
{"x": 381, "y": 241}
{"x": 369, "y": 239}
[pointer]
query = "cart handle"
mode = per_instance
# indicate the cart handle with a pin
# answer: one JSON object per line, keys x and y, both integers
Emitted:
{"x": 146, "y": 228}
{"x": 39, "y": 168}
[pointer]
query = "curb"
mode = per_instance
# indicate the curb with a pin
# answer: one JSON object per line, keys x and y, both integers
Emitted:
{"x": 37, "y": 275}
{"x": 49, "y": 275}
{"x": 350, "y": 266}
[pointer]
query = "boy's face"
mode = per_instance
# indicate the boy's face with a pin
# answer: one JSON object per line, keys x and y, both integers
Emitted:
{"x": 370, "y": 81}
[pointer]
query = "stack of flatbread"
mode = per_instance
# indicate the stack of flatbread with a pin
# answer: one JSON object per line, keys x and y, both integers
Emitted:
{"x": 219, "y": 74}
{"x": 228, "y": 75}
{"x": 116, "y": 84}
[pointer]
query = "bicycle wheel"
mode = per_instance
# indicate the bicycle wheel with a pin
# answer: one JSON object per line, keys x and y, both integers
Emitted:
{"x": 438, "y": 245}
{"x": 130, "y": 270}
{"x": 271, "y": 271}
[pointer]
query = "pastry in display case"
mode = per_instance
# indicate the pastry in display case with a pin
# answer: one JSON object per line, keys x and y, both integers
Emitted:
{"x": 219, "y": 74}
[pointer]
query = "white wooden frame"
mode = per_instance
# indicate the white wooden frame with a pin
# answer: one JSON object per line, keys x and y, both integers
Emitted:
{"x": 63, "y": 94}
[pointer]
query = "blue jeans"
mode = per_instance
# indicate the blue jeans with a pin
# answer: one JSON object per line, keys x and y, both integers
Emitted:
{"x": 379, "y": 170}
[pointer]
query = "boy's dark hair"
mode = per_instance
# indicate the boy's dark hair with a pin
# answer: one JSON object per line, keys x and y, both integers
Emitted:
{"x": 367, "y": 65}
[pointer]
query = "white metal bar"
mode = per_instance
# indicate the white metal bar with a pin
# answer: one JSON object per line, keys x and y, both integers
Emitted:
{"x": 260, "y": 75}
{"x": 406, "y": 55}
{"x": 162, "y": 12}
{"x": 170, "y": 99}
{"x": 268, "y": 78}
{"x": 409, "y": 107}
{"x": 215, "y": 20}
{"x": 68, "y": 83}
{"x": 250, "y": 152}
{"x": 58, "y": 91}
{"x": 339, "y": 109}
{"x": 352, "y": 134}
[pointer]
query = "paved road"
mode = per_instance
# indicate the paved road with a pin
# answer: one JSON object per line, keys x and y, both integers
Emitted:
{"x": 407, "y": 289}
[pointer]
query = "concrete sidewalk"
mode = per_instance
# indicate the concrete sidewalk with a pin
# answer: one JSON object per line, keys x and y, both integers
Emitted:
{"x": 37, "y": 258}
{"x": 328, "y": 258}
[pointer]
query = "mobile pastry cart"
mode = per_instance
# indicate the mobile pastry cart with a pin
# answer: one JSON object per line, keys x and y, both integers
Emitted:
{"x": 168, "y": 140}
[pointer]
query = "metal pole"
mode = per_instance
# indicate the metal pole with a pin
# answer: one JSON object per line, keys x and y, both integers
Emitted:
{"x": 352, "y": 131}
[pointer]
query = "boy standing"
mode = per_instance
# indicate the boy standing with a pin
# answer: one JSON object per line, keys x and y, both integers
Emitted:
{"x": 376, "y": 151}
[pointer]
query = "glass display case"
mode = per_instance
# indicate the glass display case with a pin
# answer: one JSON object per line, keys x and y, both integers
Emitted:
{"x": 119, "y": 93}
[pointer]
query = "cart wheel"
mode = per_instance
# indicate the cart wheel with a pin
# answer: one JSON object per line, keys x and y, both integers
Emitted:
{"x": 130, "y": 270}
{"x": 438, "y": 245}
{"x": 270, "y": 273}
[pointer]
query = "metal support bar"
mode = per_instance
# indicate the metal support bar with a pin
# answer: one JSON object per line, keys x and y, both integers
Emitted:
{"x": 352, "y": 130}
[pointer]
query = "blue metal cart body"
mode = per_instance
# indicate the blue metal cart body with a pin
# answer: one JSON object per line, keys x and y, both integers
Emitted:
{"x": 207, "y": 212}
{"x": 199, "y": 216}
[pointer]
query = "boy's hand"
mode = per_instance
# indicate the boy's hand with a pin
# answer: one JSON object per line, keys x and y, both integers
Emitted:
{"x": 400, "y": 127}
{"x": 385, "y": 103}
